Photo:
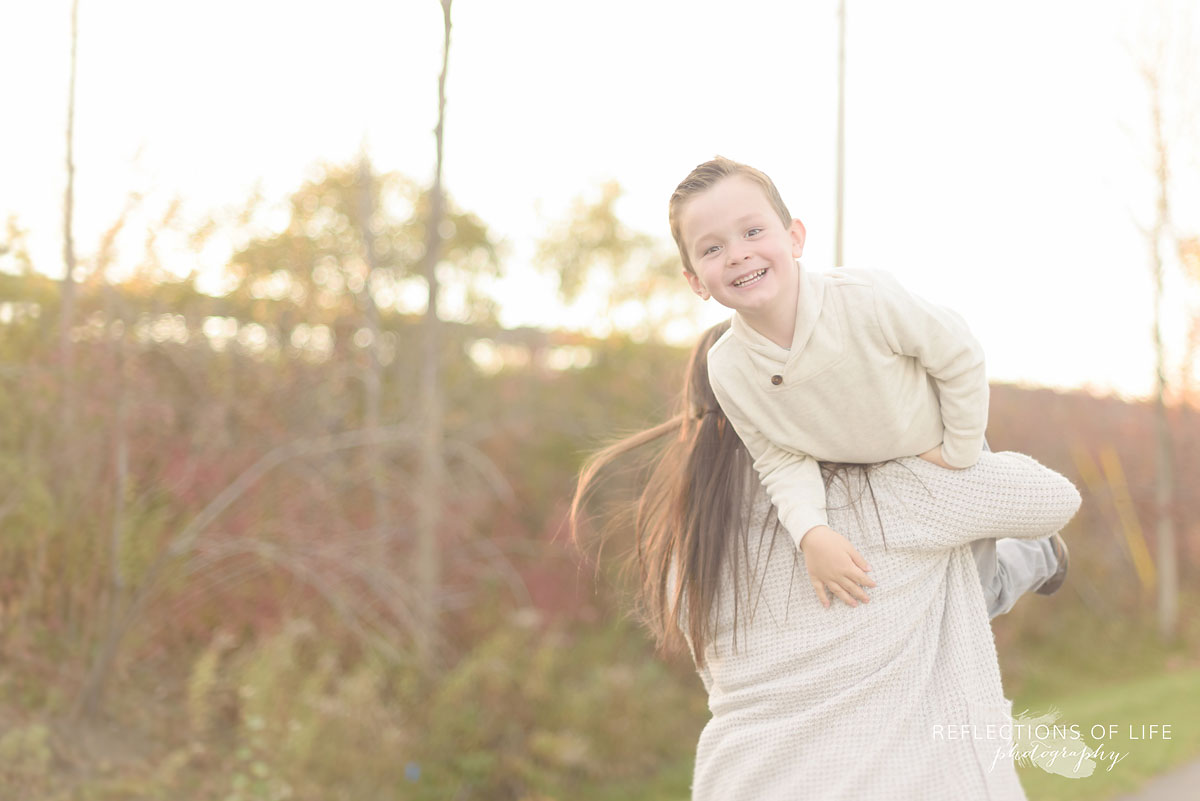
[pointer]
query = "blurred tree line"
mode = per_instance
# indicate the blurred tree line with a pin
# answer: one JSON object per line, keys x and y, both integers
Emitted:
{"x": 236, "y": 489}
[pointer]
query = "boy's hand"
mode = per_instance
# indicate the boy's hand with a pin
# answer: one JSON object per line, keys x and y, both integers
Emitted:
{"x": 833, "y": 563}
{"x": 935, "y": 456}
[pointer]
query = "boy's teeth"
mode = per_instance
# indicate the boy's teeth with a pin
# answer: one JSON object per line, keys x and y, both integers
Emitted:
{"x": 749, "y": 278}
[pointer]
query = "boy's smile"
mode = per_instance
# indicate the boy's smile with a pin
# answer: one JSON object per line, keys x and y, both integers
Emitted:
{"x": 743, "y": 255}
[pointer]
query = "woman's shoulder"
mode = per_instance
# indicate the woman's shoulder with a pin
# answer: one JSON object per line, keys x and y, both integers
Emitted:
{"x": 1005, "y": 494}
{"x": 990, "y": 464}
{"x": 994, "y": 474}
{"x": 992, "y": 468}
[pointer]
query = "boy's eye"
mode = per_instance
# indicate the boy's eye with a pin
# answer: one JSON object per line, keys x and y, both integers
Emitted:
{"x": 753, "y": 231}
{"x": 710, "y": 249}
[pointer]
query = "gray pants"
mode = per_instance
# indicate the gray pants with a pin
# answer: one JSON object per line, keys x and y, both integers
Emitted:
{"x": 1010, "y": 567}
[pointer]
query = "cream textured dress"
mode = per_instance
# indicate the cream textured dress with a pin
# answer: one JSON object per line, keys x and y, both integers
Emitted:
{"x": 896, "y": 699}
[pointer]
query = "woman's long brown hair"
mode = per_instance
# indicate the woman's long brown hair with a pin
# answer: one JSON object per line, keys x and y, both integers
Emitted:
{"x": 689, "y": 511}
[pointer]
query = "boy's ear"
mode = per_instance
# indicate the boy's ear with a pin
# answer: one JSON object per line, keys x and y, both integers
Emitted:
{"x": 798, "y": 233}
{"x": 695, "y": 284}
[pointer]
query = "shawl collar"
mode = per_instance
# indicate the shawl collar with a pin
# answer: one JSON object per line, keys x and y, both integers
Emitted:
{"x": 808, "y": 310}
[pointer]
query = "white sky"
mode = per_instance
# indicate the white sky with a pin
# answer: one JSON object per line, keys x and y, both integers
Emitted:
{"x": 996, "y": 152}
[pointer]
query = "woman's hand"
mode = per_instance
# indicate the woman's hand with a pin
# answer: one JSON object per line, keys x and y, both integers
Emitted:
{"x": 935, "y": 455}
{"x": 833, "y": 563}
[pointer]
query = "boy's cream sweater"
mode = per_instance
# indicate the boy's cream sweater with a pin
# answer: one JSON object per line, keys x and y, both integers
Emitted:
{"x": 873, "y": 373}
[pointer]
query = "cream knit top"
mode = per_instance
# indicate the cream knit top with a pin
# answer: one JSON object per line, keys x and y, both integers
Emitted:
{"x": 873, "y": 373}
{"x": 890, "y": 700}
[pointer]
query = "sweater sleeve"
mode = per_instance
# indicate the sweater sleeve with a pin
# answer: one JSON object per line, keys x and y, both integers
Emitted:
{"x": 941, "y": 342}
{"x": 1002, "y": 495}
{"x": 792, "y": 480}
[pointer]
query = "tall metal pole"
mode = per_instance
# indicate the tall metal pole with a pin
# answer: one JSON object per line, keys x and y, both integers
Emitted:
{"x": 841, "y": 137}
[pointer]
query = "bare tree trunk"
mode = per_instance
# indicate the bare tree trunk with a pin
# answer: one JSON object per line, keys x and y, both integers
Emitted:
{"x": 1168, "y": 565}
{"x": 67, "y": 304}
{"x": 89, "y": 698}
{"x": 431, "y": 482}
{"x": 65, "y": 448}
{"x": 373, "y": 376}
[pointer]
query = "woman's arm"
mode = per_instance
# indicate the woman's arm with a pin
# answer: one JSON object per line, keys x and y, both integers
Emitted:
{"x": 1002, "y": 495}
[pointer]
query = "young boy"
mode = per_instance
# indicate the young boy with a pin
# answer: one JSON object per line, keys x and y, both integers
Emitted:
{"x": 845, "y": 367}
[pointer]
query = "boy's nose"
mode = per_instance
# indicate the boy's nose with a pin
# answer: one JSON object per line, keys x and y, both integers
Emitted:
{"x": 737, "y": 253}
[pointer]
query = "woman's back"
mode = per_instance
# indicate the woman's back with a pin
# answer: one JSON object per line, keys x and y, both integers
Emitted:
{"x": 863, "y": 702}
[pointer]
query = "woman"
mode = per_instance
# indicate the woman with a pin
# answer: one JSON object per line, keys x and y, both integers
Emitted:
{"x": 896, "y": 698}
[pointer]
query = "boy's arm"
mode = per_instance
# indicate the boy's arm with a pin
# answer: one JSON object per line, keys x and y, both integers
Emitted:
{"x": 940, "y": 340}
{"x": 794, "y": 484}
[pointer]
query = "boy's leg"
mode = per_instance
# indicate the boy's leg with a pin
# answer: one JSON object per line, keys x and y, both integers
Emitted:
{"x": 984, "y": 552}
{"x": 1021, "y": 566}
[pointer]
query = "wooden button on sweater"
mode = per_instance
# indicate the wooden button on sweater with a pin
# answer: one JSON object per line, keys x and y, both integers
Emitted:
{"x": 776, "y": 380}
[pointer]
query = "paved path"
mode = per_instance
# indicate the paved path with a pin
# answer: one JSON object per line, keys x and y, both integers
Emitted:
{"x": 1181, "y": 784}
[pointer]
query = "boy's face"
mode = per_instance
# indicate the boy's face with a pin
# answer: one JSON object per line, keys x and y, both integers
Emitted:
{"x": 742, "y": 254}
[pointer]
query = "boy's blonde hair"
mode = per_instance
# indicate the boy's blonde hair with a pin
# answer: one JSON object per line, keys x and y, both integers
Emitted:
{"x": 702, "y": 178}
